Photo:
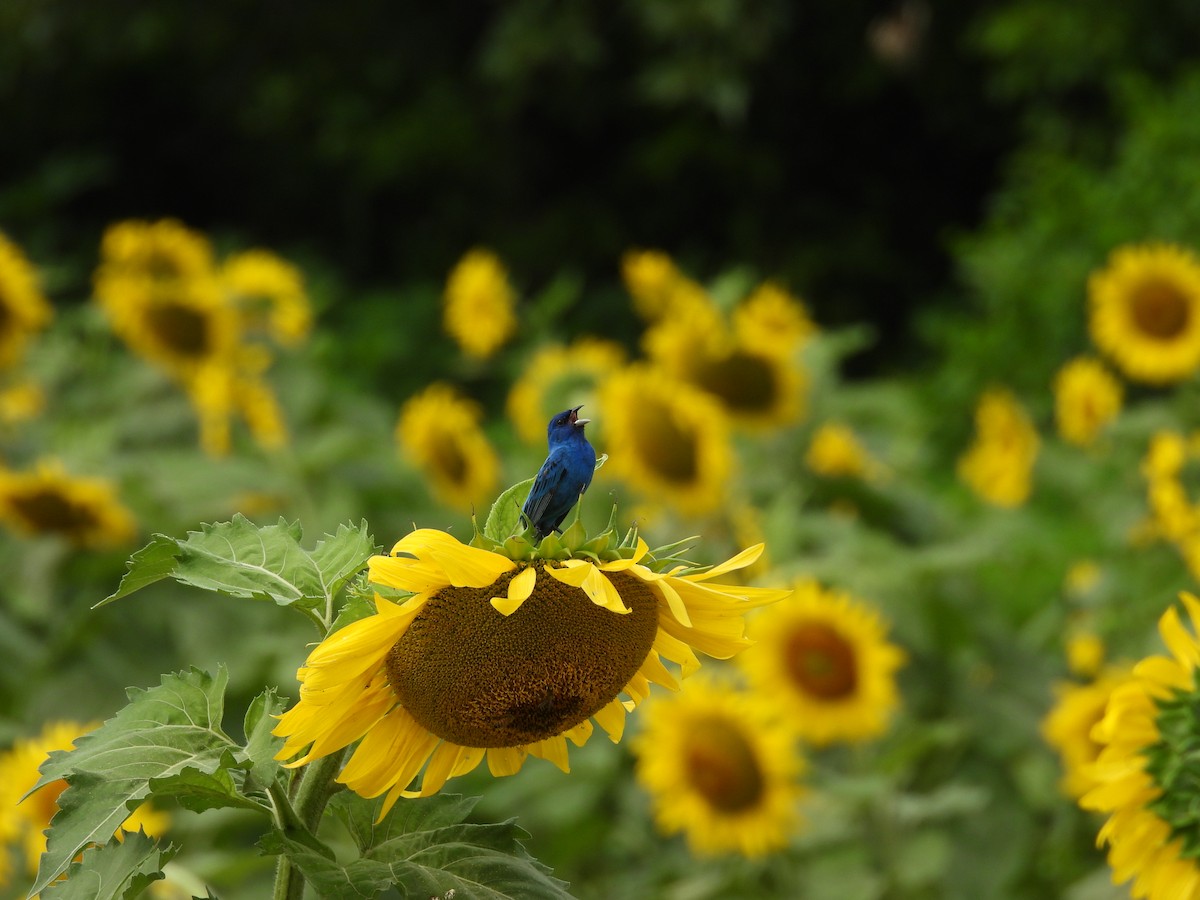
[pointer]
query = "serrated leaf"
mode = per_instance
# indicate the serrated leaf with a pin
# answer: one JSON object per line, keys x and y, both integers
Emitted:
{"x": 240, "y": 559}
{"x": 162, "y": 732}
{"x": 154, "y": 562}
{"x": 261, "y": 745}
{"x": 504, "y": 519}
{"x": 198, "y": 791}
{"x": 117, "y": 870}
{"x": 424, "y": 849}
{"x": 343, "y": 555}
{"x": 357, "y": 606}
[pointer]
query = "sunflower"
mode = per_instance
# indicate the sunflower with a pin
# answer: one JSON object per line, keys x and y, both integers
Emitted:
{"x": 558, "y": 378}
{"x": 999, "y": 464}
{"x": 20, "y": 402}
{"x": 225, "y": 387}
{"x": 1068, "y": 727}
{"x": 24, "y": 310}
{"x": 25, "y": 821}
{"x": 48, "y": 501}
{"x": 772, "y": 319}
{"x": 656, "y": 284}
{"x": 1145, "y": 311}
{"x": 1085, "y": 653}
{"x": 666, "y": 438}
{"x": 1168, "y": 456}
{"x": 479, "y": 304}
{"x": 439, "y": 430}
{"x": 1146, "y": 772}
{"x": 1086, "y": 399}
{"x": 836, "y": 452}
{"x": 758, "y": 384}
{"x": 825, "y": 656}
{"x": 270, "y": 293}
{"x": 501, "y": 658}
{"x": 720, "y": 767}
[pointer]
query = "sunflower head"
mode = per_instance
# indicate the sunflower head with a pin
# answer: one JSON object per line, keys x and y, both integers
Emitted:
{"x": 1145, "y": 311}
{"x": 479, "y": 304}
{"x": 998, "y": 465}
{"x": 504, "y": 648}
{"x": 559, "y": 377}
{"x": 24, "y": 310}
{"x": 49, "y": 501}
{"x": 1086, "y": 399}
{"x": 269, "y": 294}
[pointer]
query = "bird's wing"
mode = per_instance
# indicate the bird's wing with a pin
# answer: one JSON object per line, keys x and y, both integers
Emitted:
{"x": 546, "y": 486}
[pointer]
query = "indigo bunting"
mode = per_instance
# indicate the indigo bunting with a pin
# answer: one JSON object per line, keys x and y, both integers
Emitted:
{"x": 564, "y": 476}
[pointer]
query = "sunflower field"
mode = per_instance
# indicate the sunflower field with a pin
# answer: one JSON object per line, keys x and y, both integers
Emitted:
{"x": 679, "y": 450}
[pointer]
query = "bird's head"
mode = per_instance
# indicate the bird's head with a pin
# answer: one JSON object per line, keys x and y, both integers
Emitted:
{"x": 565, "y": 423}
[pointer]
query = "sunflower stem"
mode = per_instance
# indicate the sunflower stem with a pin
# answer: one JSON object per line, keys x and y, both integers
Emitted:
{"x": 302, "y": 816}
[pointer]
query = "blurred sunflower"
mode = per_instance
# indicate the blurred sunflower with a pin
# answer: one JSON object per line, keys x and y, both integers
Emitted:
{"x": 156, "y": 254}
{"x": 772, "y": 319}
{"x": 721, "y": 767}
{"x": 502, "y": 658}
{"x": 48, "y": 501}
{"x": 836, "y": 452}
{"x": 270, "y": 294}
{"x": 226, "y": 387}
{"x": 1146, "y": 774}
{"x": 559, "y": 378}
{"x": 1085, "y": 653}
{"x": 439, "y": 430}
{"x": 24, "y": 310}
{"x": 656, "y": 284}
{"x": 825, "y": 656}
{"x": 667, "y": 439}
{"x": 1164, "y": 467}
{"x": 1086, "y": 398}
{"x": 25, "y": 821}
{"x": 1145, "y": 311}
{"x": 758, "y": 384}
{"x": 20, "y": 402}
{"x": 1068, "y": 727}
{"x": 479, "y": 304}
{"x": 998, "y": 466}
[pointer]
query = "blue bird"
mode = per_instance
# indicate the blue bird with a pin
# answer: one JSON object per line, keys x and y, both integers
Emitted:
{"x": 563, "y": 477}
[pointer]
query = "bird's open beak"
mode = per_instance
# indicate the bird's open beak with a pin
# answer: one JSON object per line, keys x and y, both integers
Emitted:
{"x": 578, "y": 422}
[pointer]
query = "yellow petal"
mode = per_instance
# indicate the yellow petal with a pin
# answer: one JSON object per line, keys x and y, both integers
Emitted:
{"x": 601, "y": 592}
{"x": 573, "y": 572}
{"x": 552, "y": 749}
{"x": 519, "y": 590}
{"x": 1181, "y": 643}
{"x": 505, "y": 760}
{"x": 746, "y": 558}
{"x": 663, "y": 583}
{"x": 612, "y": 719}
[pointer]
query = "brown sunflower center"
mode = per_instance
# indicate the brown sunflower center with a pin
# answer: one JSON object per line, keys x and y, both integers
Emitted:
{"x": 181, "y": 328}
{"x": 666, "y": 448}
{"x": 745, "y": 382}
{"x": 1160, "y": 310}
{"x": 449, "y": 459}
{"x": 821, "y": 661}
{"x": 722, "y": 767}
{"x": 47, "y": 511}
{"x": 479, "y": 679}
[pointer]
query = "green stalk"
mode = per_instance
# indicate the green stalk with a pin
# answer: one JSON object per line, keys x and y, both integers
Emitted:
{"x": 302, "y": 815}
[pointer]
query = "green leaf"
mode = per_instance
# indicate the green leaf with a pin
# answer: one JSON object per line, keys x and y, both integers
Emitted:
{"x": 504, "y": 520}
{"x": 425, "y": 849}
{"x": 261, "y": 745}
{"x": 358, "y": 605}
{"x": 198, "y": 791}
{"x": 117, "y": 870}
{"x": 242, "y": 560}
{"x": 154, "y": 562}
{"x": 163, "y": 732}
{"x": 342, "y": 556}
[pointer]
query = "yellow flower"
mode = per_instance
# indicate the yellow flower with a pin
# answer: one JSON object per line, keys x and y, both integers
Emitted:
{"x": 1085, "y": 653}
{"x": 772, "y": 319}
{"x": 1145, "y": 311}
{"x": 1145, "y": 776}
{"x": 48, "y": 501}
{"x": 1082, "y": 578}
{"x": 835, "y": 452}
{"x": 1068, "y": 728}
{"x": 225, "y": 387}
{"x": 656, "y": 284}
{"x": 667, "y": 439}
{"x": 559, "y": 378}
{"x": 759, "y": 384}
{"x": 25, "y": 821}
{"x": 479, "y": 304}
{"x": 504, "y": 659}
{"x": 270, "y": 294}
{"x": 21, "y": 402}
{"x": 439, "y": 430}
{"x": 1086, "y": 398}
{"x": 826, "y": 657}
{"x": 24, "y": 310}
{"x": 720, "y": 767}
{"x": 999, "y": 464}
